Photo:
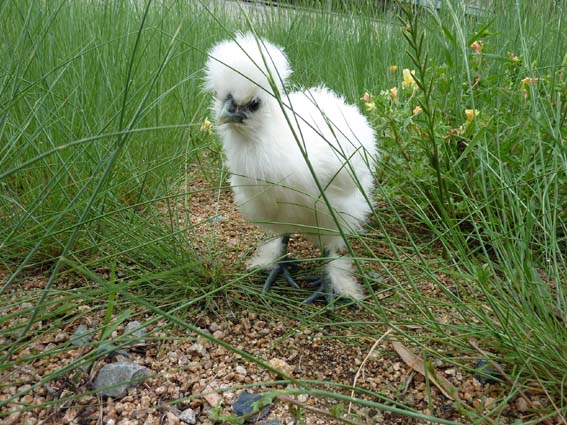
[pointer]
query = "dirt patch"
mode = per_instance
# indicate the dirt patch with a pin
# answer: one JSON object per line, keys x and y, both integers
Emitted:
{"x": 190, "y": 372}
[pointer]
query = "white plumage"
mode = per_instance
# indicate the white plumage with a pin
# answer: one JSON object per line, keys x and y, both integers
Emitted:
{"x": 268, "y": 144}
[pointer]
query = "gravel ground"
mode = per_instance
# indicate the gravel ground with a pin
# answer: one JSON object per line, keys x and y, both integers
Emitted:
{"x": 190, "y": 372}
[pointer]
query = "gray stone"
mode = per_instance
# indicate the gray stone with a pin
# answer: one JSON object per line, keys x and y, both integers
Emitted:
{"x": 243, "y": 406}
{"x": 218, "y": 218}
{"x": 188, "y": 416}
{"x": 82, "y": 336}
{"x": 135, "y": 329}
{"x": 270, "y": 422}
{"x": 485, "y": 373}
{"x": 114, "y": 379}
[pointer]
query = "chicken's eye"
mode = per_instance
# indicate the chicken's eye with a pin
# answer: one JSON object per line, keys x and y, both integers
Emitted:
{"x": 254, "y": 105}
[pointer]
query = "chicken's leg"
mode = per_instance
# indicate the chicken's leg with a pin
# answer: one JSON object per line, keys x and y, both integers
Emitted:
{"x": 337, "y": 282}
{"x": 336, "y": 279}
{"x": 323, "y": 286}
{"x": 281, "y": 268}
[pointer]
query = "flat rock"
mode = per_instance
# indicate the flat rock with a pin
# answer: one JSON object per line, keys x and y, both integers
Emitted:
{"x": 114, "y": 379}
{"x": 243, "y": 406}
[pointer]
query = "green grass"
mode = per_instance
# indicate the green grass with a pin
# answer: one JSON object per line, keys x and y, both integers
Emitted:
{"x": 100, "y": 116}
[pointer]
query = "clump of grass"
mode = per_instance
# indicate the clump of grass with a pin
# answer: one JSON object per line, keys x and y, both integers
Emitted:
{"x": 474, "y": 148}
{"x": 100, "y": 125}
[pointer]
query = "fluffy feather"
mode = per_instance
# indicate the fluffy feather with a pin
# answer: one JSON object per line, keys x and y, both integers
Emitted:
{"x": 268, "y": 152}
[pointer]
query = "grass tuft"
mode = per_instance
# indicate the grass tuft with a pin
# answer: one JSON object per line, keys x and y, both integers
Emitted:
{"x": 102, "y": 140}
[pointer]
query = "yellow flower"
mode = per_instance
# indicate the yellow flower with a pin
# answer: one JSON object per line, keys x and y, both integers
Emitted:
{"x": 207, "y": 125}
{"x": 513, "y": 57}
{"x": 409, "y": 78}
{"x": 366, "y": 97}
{"x": 526, "y": 83}
{"x": 393, "y": 68}
{"x": 370, "y": 106}
{"x": 471, "y": 114}
{"x": 530, "y": 81}
{"x": 417, "y": 110}
{"x": 394, "y": 94}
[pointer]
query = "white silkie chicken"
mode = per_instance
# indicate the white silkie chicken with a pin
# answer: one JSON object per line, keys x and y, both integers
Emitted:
{"x": 291, "y": 156}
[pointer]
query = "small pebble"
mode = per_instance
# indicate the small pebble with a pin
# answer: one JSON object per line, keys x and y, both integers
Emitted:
{"x": 218, "y": 218}
{"x": 136, "y": 330}
{"x": 485, "y": 373}
{"x": 188, "y": 416}
{"x": 281, "y": 365}
{"x": 522, "y": 405}
{"x": 213, "y": 398}
{"x": 490, "y": 403}
{"x": 198, "y": 349}
{"x": 60, "y": 337}
{"x": 172, "y": 419}
{"x": 81, "y": 336}
{"x": 243, "y": 406}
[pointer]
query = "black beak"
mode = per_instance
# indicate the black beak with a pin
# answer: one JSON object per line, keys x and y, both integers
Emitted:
{"x": 231, "y": 113}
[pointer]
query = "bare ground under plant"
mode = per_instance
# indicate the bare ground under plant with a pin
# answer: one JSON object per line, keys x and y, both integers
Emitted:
{"x": 191, "y": 372}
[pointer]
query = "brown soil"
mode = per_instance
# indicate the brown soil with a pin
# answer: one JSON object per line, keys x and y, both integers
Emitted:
{"x": 191, "y": 372}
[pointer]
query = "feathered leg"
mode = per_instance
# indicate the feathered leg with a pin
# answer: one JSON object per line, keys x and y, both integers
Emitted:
{"x": 337, "y": 280}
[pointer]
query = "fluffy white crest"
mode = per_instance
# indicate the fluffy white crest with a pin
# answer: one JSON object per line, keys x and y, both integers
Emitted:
{"x": 234, "y": 65}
